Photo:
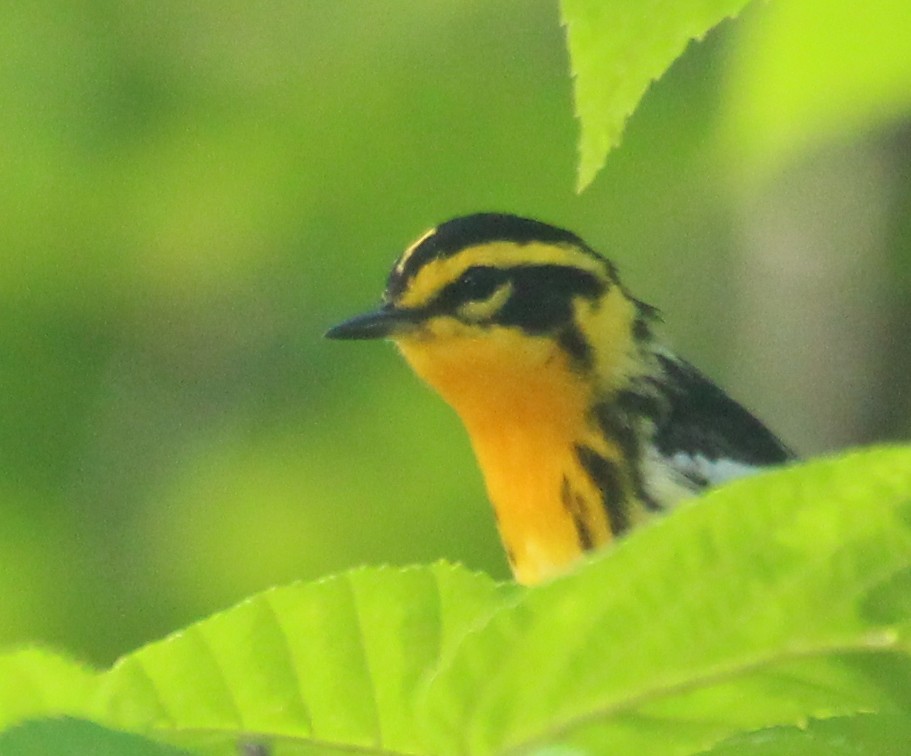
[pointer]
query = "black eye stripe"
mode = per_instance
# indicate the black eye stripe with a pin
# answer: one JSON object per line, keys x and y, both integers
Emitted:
{"x": 478, "y": 282}
{"x": 541, "y": 298}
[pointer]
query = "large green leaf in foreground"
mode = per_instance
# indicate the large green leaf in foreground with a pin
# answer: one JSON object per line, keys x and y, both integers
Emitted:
{"x": 331, "y": 664}
{"x": 838, "y": 736}
{"x": 773, "y": 599}
{"x": 725, "y": 624}
{"x": 35, "y": 682}
{"x": 75, "y": 737}
{"x": 617, "y": 48}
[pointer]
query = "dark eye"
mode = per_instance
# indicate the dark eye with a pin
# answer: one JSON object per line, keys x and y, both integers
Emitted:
{"x": 477, "y": 283}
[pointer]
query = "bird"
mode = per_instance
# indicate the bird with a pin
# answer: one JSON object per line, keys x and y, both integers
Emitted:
{"x": 584, "y": 422}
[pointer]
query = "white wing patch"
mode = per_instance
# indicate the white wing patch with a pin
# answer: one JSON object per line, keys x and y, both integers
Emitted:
{"x": 679, "y": 476}
{"x": 712, "y": 471}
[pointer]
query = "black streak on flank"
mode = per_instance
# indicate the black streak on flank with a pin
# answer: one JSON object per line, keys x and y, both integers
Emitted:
{"x": 606, "y": 477}
{"x": 617, "y": 427}
{"x": 574, "y": 504}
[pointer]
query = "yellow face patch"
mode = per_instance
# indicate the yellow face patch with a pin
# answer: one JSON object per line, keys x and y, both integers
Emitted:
{"x": 479, "y": 311}
{"x": 607, "y": 324}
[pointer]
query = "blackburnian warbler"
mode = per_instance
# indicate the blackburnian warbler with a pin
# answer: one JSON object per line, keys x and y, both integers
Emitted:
{"x": 583, "y": 422}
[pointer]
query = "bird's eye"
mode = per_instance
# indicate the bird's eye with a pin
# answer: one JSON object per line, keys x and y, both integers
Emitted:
{"x": 478, "y": 283}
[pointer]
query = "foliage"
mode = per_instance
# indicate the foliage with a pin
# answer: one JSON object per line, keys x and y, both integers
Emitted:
{"x": 190, "y": 199}
{"x": 790, "y": 89}
{"x": 618, "y": 48}
{"x": 770, "y": 616}
{"x": 726, "y": 624}
{"x": 854, "y": 72}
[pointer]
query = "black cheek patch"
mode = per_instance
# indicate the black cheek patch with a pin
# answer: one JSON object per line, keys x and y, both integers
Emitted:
{"x": 543, "y": 295}
{"x": 542, "y": 303}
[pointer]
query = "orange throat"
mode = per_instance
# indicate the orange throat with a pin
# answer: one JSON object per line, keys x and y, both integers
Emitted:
{"x": 525, "y": 410}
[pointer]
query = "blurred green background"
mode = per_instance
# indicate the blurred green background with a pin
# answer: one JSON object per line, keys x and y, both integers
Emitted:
{"x": 192, "y": 193}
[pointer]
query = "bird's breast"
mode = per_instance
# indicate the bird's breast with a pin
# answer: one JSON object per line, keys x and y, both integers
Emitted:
{"x": 525, "y": 416}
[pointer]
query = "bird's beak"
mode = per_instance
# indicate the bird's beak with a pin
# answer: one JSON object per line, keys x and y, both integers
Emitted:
{"x": 386, "y": 322}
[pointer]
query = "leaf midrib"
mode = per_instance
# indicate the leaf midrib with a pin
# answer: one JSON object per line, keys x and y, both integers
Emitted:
{"x": 883, "y": 642}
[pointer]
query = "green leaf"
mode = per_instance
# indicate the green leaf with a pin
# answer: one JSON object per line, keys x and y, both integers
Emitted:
{"x": 37, "y": 683}
{"x": 617, "y": 48}
{"x": 75, "y": 737}
{"x": 858, "y": 735}
{"x": 331, "y": 665}
{"x": 768, "y": 601}
{"x": 807, "y": 71}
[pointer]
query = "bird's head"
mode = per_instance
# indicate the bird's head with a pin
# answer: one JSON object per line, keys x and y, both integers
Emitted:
{"x": 493, "y": 309}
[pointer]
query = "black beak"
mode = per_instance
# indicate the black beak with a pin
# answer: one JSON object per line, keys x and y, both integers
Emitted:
{"x": 379, "y": 324}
